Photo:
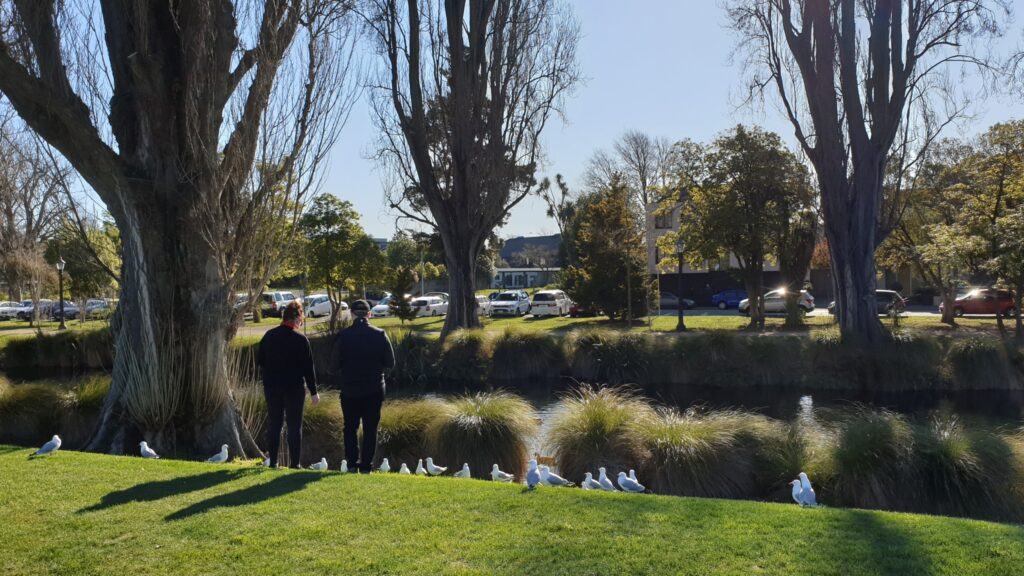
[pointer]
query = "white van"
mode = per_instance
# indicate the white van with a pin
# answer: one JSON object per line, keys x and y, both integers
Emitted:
{"x": 429, "y": 306}
{"x": 550, "y": 303}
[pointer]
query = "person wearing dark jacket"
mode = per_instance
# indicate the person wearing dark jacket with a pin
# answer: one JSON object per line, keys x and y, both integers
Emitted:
{"x": 287, "y": 364}
{"x": 359, "y": 357}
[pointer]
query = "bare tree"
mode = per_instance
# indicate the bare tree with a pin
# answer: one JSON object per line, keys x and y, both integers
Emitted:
{"x": 637, "y": 157}
{"x": 465, "y": 90}
{"x": 848, "y": 73}
{"x": 184, "y": 117}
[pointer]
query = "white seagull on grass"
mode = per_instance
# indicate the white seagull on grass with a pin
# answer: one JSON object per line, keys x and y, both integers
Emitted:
{"x": 50, "y": 447}
{"x": 498, "y": 476}
{"x": 629, "y": 485}
{"x": 220, "y": 457}
{"x": 590, "y": 484}
{"x": 404, "y": 469}
{"x": 434, "y": 470}
{"x": 549, "y": 478}
{"x": 532, "y": 475}
{"x": 803, "y": 493}
{"x": 146, "y": 452}
{"x": 321, "y": 465}
{"x": 385, "y": 467}
{"x": 420, "y": 470}
{"x": 604, "y": 481}
{"x": 344, "y": 467}
{"x": 464, "y": 473}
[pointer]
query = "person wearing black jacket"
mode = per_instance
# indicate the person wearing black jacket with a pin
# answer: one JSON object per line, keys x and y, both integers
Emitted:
{"x": 359, "y": 357}
{"x": 287, "y": 364}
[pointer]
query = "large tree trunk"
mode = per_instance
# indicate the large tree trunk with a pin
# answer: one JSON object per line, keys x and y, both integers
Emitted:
{"x": 460, "y": 259}
{"x": 754, "y": 284}
{"x": 170, "y": 379}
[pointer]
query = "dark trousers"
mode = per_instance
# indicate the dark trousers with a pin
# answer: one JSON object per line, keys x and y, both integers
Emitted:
{"x": 367, "y": 410}
{"x": 285, "y": 404}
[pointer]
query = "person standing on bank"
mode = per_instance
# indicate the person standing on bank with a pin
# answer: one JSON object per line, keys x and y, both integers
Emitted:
{"x": 361, "y": 354}
{"x": 287, "y": 364}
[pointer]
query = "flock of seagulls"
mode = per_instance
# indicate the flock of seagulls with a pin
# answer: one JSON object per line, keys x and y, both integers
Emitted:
{"x": 803, "y": 492}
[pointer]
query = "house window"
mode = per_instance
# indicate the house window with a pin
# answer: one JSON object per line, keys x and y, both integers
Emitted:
{"x": 663, "y": 221}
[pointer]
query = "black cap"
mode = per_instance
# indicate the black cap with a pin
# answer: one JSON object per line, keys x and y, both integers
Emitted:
{"x": 361, "y": 305}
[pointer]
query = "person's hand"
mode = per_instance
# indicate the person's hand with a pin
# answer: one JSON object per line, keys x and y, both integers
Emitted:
{"x": 315, "y": 399}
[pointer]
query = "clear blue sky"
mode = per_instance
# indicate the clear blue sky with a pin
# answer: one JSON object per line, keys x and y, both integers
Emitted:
{"x": 659, "y": 66}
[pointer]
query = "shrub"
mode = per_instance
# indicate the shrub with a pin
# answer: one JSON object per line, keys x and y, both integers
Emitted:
{"x": 526, "y": 357}
{"x": 404, "y": 424}
{"x": 481, "y": 430}
{"x": 414, "y": 356}
{"x": 979, "y": 363}
{"x": 68, "y": 350}
{"x": 873, "y": 459}
{"x": 81, "y": 408}
{"x": 609, "y": 357}
{"x": 31, "y": 413}
{"x": 592, "y": 428}
{"x": 465, "y": 361}
{"x": 697, "y": 454}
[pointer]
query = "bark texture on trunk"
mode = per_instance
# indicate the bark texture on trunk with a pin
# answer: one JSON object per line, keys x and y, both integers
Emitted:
{"x": 460, "y": 260}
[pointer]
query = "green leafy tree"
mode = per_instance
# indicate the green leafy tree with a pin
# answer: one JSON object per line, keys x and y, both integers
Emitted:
{"x": 92, "y": 257}
{"x": 1008, "y": 261}
{"x": 403, "y": 282}
{"x": 609, "y": 274}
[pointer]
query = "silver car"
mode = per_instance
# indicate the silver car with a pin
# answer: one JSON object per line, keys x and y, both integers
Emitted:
{"x": 775, "y": 302}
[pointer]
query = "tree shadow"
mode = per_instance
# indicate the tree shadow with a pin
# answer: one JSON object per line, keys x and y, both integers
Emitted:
{"x": 5, "y": 449}
{"x": 279, "y": 486}
{"x": 151, "y": 491}
{"x": 888, "y": 545}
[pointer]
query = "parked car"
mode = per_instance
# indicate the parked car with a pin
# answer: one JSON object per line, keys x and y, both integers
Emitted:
{"x": 71, "y": 311}
{"x": 319, "y": 305}
{"x": 728, "y": 299}
{"x": 9, "y": 310}
{"x": 442, "y": 295}
{"x": 26, "y": 312}
{"x": 984, "y": 301}
{"x": 382, "y": 309}
{"x": 103, "y": 310}
{"x": 670, "y": 300}
{"x": 775, "y": 302}
{"x": 577, "y": 310}
{"x": 430, "y": 306}
{"x": 272, "y": 304}
{"x": 483, "y": 305}
{"x": 887, "y": 302}
{"x": 511, "y": 303}
{"x": 375, "y": 297}
{"x": 550, "y": 303}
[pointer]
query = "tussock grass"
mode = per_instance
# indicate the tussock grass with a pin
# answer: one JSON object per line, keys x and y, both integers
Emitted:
{"x": 481, "y": 430}
{"x": 414, "y": 358}
{"x": 592, "y": 427}
{"x": 979, "y": 363}
{"x": 465, "y": 361}
{"x": 522, "y": 356}
{"x": 68, "y": 350}
{"x": 404, "y": 425}
{"x": 873, "y": 458}
{"x": 31, "y": 413}
{"x": 609, "y": 356}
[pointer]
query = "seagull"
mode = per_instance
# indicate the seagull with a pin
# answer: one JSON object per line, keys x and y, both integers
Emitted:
{"x": 384, "y": 466}
{"x": 434, "y": 470}
{"x": 590, "y": 484}
{"x": 344, "y": 467}
{"x": 266, "y": 462}
{"x": 629, "y": 485}
{"x": 797, "y": 492}
{"x": 321, "y": 465}
{"x": 807, "y": 492}
{"x": 404, "y": 469}
{"x": 420, "y": 470}
{"x": 464, "y": 473}
{"x": 220, "y": 457}
{"x": 50, "y": 447}
{"x": 551, "y": 479}
{"x": 499, "y": 476}
{"x": 146, "y": 452}
{"x": 604, "y": 481}
{"x": 632, "y": 475}
{"x": 532, "y": 475}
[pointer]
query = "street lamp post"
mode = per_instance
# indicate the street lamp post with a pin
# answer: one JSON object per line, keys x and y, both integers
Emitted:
{"x": 60, "y": 289}
{"x": 681, "y": 321}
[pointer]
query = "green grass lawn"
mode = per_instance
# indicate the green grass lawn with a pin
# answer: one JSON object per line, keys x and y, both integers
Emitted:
{"x": 74, "y": 513}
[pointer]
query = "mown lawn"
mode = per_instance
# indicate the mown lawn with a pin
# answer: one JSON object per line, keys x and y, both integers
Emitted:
{"x": 75, "y": 513}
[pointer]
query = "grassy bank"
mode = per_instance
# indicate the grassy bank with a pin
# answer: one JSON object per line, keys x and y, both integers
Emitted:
{"x": 129, "y": 516}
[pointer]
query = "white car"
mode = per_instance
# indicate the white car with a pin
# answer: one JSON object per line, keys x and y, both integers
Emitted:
{"x": 318, "y": 305}
{"x": 550, "y": 303}
{"x": 9, "y": 310}
{"x": 430, "y": 306}
{"x": 511, "y": 303}
{"x": 382, "y": 309}
{"x": 775, "y": 302}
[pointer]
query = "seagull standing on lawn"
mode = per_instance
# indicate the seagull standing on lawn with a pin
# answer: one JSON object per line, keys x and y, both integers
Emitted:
{"x": 321, "y": 465}
{"x": 590, "y": 484}
{"x": 420, "y": 470}
{"x": 434, "y": 470}
{"x": 50, "y": 447}
{"x": 404, "y": 469}
{"x": 797, "y": 491}
{"x": 464, "y": 473}
{"x": 629, "y": 485}
{"x": 146, "y": 452}
{"x": 220, "y": 457}
{"x": 344, "y": 467}
{"x": 498, "y": 476}
{"x": 807, "y": 492}
{"x": 604, "y": 481}
{"x": 384, "y": 466}
{"x": 551, "y": 479}
{"x": 532, "y": 475}
{"x": 632, "y": 475}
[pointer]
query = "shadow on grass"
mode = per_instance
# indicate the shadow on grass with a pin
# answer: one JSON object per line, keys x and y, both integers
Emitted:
{"x": 279, "y": 486}
{"x": 151, "y": 491}
{"x": 887, "y": 545}
{"x": 5, "y": 449}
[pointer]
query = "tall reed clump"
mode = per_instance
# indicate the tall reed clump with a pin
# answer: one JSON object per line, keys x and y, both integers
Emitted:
{"x": 414, "y": 358}
{"x": 527, "y": 357}
{"x": 81, "y": 407}
{"x": 592, "y": 427}
{"x": 702, "y": 453}
{"x": 872, "y": 460}
{"x": 31, "y": 413}
{"x": 404, "y": 425}
{"x": 68, "y": 350}
{"x": 481, "y": 430}
{"x": 465, "y": 361}
{"x": 610, "y": 357}
{"x": 980, "y": 363}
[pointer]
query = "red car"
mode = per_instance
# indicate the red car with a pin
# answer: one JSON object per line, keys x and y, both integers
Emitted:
{"x": 578, "y": 311}
{"x": 984, "y": 301}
